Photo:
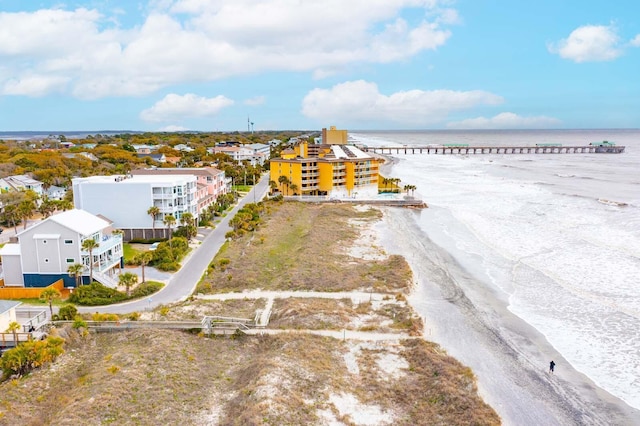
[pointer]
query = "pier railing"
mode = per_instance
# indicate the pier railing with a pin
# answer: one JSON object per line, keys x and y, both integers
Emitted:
{"x": 430, "y": 149}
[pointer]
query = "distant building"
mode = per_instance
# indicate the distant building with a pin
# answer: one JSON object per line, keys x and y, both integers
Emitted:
{"x": 45, "y": 251}
{"x": 21, "y": 183}
{"x": 334, "y": 136}
{"x": 55, "y": 192}
{"x": 241, "y": 153}
{"x": 160, "y": 158}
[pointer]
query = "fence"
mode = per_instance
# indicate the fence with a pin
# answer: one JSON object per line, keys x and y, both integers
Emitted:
{"x": 32, "y": 292}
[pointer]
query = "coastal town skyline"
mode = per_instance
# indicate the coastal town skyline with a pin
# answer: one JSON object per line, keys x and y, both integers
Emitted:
{"x": 165, "y": 65}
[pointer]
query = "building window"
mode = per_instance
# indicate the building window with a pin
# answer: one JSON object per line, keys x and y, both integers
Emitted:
{"x": 68, "y": 241}
{"x": 44, "y": 241}
{"x": 70, "y": 260}
{"x": 46, "y": 261}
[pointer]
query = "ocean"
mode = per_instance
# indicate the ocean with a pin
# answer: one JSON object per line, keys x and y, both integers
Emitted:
{"x": 553, "y": 238}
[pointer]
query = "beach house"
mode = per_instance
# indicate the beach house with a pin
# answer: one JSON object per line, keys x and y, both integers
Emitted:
{"x": 44, "y": 252}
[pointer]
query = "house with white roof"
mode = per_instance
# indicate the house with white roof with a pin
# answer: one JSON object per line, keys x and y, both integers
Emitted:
{"x": 127, "y": 199}
{"x": 45, "y": 251}
{"x": 21, "y": 183}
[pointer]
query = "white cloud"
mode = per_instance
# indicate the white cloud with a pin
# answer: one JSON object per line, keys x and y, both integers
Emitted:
{"x": 506, "y": 120}
{"x": 189, "y": 41}
{"x": 589, "y": 43}
{"x": 361, "y": 101}
{"x": 35, "y": 85}
{"x": 255, "y": 101}
{"x": 636, "y": 41}
{"x": 175, "y": 107}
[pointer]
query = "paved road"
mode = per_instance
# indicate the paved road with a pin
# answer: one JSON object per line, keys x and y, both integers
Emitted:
{"x": 183, "y": 283}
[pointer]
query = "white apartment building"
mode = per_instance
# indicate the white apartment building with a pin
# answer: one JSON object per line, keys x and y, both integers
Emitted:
{"x": 45, "y": 251}
{"x": 127, "y": 199}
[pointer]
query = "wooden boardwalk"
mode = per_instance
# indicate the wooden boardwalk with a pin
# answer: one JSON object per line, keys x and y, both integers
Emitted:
{"x": 442, "y": 150}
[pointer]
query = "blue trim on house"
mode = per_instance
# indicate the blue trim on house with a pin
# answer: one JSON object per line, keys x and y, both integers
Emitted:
{"x": 44, "y": 280}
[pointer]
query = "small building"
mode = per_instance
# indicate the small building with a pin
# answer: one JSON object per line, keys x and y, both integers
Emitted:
{"x": 7, "y": 313}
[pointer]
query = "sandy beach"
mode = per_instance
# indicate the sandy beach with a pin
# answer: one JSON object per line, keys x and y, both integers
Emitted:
{"x": 509, "y": 357}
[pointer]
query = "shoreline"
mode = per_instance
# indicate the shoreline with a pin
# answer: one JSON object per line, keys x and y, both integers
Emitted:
{"x": 509, "y": 356}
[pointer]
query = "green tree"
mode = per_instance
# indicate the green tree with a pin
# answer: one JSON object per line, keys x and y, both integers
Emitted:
{"x": 283, "y": 180}
{"x": 48, "y": 294}
{"x": 143, "y": 258}
{"x": 127, "y": 280}
{"x": 153, "y": 211}
{"x": 13, "y": 328}
{"x": 169, "y": 221}
{"x": 89, "y": 245}
{"x": 75, "y": 271}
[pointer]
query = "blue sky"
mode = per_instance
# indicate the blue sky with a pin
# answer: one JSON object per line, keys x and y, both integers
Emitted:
{"x": 208, "y": 65}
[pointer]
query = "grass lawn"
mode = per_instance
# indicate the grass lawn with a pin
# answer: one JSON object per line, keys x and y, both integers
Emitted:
{"x": 129, "y": 252}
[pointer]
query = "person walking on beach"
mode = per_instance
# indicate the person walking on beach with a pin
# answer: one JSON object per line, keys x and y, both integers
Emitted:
{"x": 552, "y": 366}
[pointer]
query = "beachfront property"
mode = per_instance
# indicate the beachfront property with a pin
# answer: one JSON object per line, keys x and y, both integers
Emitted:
{"x": 44, "y": 252}
{"x": 126, "y": 199}
{"x": 211, "y": 182}
{"x": 335, "y": 171}
{"x": 333, "y": 136}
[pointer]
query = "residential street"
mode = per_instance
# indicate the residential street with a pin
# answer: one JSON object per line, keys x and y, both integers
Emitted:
{"x": 181, "y": 284}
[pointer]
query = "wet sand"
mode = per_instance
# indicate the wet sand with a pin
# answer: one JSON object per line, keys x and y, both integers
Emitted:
{"x": 509, "y": 357}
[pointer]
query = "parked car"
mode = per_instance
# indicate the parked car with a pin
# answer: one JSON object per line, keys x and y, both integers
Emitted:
{"x": 154, "y": 246}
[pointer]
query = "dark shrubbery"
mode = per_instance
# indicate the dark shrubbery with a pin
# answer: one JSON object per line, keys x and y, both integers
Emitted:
{"x": 167, "y": 256}
{"x": 95, "y": 294}
{"x": 146, "y": 289}
{"x": 67, "y": 312}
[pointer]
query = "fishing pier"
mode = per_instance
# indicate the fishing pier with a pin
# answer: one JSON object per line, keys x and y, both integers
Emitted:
{"x": 599, "y": 148}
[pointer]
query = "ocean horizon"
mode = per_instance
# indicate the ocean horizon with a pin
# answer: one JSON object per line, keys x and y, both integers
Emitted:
{"x": 553, "y": 239}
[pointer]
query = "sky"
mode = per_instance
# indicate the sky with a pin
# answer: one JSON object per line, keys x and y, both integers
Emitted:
{"x": 219, "y": 65}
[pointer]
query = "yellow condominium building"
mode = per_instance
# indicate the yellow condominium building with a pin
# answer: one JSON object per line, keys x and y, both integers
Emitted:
{"x": 336, "y": 171}
{"x": 334, "y": 136}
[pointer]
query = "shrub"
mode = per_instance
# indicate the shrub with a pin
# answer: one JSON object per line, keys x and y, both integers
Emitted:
{"x": 29, "y": 355}
{"x": 96, "y": 294}
{"x": 146, "y": 289}
{"x": 78, "y": 322}
{"x": 104, "y": 317}
{"x": 67, "y": 312}
{"x": 133, "y": 316}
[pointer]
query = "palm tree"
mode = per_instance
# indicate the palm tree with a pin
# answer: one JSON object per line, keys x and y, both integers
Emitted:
{"x": 48, "y": 294}
{"x": 89, "y": 245}
{"x": 273, "y": 185}
{"x": 143, "y": 258}
{"x": 14, "y": 326}
{"x": 187, "y": 221}
{"x": 169, "y": 221}
{"x": 153, "y": 211}
{"x": 75, "y": 271}
{"x": 294, "y": 188}
{"x": 284, "y": 181}
{"x": 127, "y": 280}
{"x": 26, "y": 208}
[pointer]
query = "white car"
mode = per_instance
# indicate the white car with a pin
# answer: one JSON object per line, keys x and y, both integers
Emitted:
{"x": 154, "y": 246}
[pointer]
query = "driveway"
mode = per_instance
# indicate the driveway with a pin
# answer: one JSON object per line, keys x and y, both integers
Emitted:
{"x": 181, "y": 284}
